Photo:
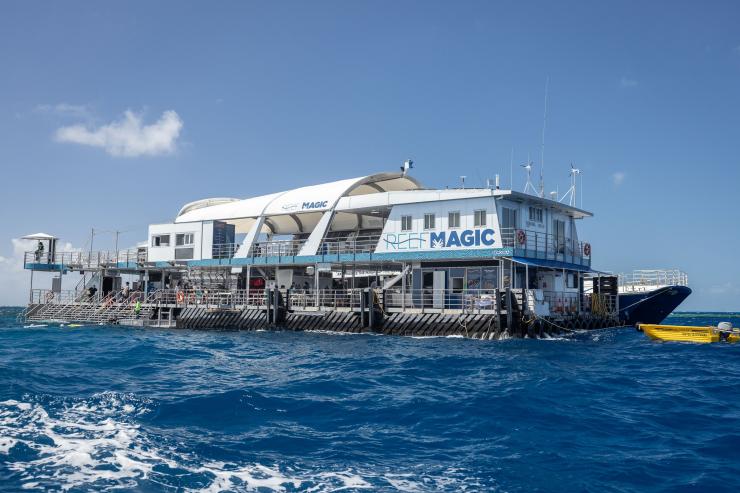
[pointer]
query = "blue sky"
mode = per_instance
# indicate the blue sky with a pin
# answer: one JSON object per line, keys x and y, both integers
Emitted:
{"x": 243, "y": 98}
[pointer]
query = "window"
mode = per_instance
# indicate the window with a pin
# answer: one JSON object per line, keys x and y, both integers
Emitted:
{"x": 508, "y": 218}
{"x": 184, "y": 239}
{"x": 480, "y": 217}
{"x": 430, "y": 221}
{"x": 535, "y": 214}
{"x": 405, "y": 223}
{"x": 558, "y": 232}
{"x": 160, "y": 240}
{"x": 453, "y": 219}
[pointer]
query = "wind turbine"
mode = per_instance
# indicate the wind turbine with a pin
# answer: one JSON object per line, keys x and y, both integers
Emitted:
{"x": 529, "y": 185}
{"x": 572, "y": 192}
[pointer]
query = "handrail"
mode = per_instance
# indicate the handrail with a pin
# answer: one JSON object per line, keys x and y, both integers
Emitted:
{"x": 79, "y": 259}
{"x": 544, "y": 243}
{"x": 652, "y": 279}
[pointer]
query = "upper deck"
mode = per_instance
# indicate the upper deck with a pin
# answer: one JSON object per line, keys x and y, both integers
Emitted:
{"x": 387, "y": 217}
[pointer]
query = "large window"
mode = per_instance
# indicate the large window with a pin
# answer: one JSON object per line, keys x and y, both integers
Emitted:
{"x": 558, "y": 232}
{"x": 453, "y": 219}
{"x": 479, "y": 218}
{"x": 406, "y": 223}
{"x": 184, "y": 239}
{"x": 508, "y": 218}
{"x": 535, "y": 214}
{"x": 161, "y": 240}
{"x": 430, "y": 221}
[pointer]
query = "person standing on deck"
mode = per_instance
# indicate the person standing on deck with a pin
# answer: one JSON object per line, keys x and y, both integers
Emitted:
{"x": 137, "y": 308}
{"x": 39, "y": 251}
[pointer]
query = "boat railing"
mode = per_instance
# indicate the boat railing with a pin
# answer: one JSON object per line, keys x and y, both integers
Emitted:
{"x": 349, "y": 245}
{"x": 646, "y": 280}
{"x": 539, "y": 244}
{"x": 289, "y": 248}
{"x": 82, "y": 260}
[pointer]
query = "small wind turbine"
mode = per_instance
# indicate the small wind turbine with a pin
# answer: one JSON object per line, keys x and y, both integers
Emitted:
{"x": 528, "y": 186}
{"x": 572, "y": 191}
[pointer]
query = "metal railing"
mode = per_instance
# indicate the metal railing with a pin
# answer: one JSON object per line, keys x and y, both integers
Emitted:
{"x": 537, "y": 244}
{"x": 289, "y": 248}
{"x": 67, "y": 305}
{"x": 83, "y": 260}
{"x": 469, "y": 300}
{"x": 647, "y": 280}
{"x": 349, "y": 245}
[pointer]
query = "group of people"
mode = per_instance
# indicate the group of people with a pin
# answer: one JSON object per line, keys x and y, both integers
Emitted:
{"x": 124, "y": 295}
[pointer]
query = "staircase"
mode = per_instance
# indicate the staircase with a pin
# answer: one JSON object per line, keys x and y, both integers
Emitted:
{"x": 98, "y": 311}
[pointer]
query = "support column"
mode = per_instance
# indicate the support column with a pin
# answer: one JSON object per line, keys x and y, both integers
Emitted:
{"x": 403, "y": 286}
{"x": 249, "y": 280}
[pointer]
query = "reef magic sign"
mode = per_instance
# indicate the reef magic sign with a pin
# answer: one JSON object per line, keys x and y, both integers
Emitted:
{"x": 437, "y": 240}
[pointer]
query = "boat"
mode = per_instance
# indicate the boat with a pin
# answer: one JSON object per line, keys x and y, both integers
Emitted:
{"x": 374, "y": 253}
{"x": 684, "y": 333}
{"x": 649, "y": 296}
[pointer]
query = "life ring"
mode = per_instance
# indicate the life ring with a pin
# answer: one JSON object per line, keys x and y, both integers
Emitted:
{"x": 180, "y": 296}
{"x": 49, "y": 296}
{"x": 587, "y": 249}
{"x": 521, "y": 236}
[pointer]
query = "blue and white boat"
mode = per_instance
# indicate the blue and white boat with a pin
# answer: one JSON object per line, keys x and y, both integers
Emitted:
{"x": 378, "y": 252}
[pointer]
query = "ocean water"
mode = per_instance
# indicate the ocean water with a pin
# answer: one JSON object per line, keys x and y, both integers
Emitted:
{"x": 112, "y": 408}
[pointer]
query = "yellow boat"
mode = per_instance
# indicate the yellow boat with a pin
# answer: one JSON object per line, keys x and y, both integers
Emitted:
{"x": 686, "y": 333}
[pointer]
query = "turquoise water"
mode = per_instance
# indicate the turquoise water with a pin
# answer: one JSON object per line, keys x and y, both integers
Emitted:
{"x": 97, "y": 408}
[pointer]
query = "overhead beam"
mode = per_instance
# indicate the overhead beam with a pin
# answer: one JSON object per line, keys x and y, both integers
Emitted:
{"x": 297, "y": 222}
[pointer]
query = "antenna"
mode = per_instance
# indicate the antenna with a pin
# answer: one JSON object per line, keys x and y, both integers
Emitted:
{"x": 571, "y": 193}
{"x": 542, "y": 152}
{"x": 528, "y": 186}
{"x": 511, "y": 169}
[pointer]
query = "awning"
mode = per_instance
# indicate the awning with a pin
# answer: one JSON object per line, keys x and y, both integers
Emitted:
{"x": 39, "y": 236}
{"x": 551, "y": 264}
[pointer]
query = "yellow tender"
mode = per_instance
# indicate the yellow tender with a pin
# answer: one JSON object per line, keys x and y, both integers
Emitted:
{"x": 688, "y": 333}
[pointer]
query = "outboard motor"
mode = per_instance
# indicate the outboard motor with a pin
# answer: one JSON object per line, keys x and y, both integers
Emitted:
{"x": 725, "y": 329}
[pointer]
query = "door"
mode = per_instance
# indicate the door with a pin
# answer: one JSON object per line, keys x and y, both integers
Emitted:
{"x": 438, "y": 297}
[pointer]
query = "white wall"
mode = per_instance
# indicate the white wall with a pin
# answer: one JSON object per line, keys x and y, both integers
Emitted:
{"x": 548, "y": 216}
{"x": 202, "y": 249}
{"x": 393, "y": 239}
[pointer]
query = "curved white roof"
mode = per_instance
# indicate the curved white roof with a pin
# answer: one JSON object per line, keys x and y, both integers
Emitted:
{"x": 308, "y": 200}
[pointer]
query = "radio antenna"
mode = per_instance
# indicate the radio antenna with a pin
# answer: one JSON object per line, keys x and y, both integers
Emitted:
{"x": 511, "y": 169}
{"x": 542, "y": 152}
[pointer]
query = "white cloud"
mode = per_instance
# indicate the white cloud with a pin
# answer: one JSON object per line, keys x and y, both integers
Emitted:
{"x": 618, "y": 178}
{"x": 128, "y": 137}
{"x": 79, "y": 111}
{"x": 627, "y": 82}
{"x": 726, "y": 288}
{"x": 16, "y": 280}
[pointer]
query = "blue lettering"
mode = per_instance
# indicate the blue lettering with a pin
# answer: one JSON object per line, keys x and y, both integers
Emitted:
{"x": 315, "y": 205}
{"x": 486, "y": 237}
{"x": 437, "y": 240}
{"x": 453, "y": 240}
{"x": 467, "y": 238}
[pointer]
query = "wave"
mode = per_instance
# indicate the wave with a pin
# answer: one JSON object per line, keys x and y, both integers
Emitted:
{"x": 97, "y": 444}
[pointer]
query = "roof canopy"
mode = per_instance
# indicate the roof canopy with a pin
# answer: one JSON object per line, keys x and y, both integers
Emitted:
{"x": 305, "y": 202}
{"x": 39, "y": 236}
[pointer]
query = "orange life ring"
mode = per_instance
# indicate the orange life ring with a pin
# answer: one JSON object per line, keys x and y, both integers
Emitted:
{"x": 521, "y": 236}
{"x": 587, "y": 249}
{"x": 180, "y": 296}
